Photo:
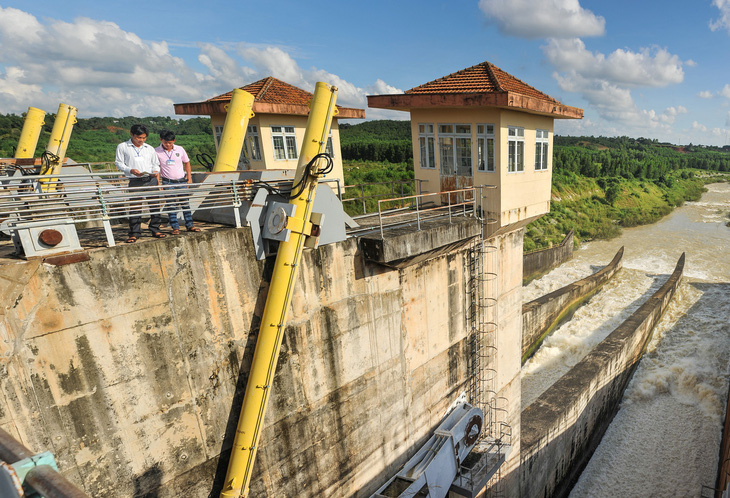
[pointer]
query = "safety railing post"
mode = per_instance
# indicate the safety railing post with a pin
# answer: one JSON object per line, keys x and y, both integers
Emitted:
{"x": 380, "y": 218}
{"x": 236, "y": 204}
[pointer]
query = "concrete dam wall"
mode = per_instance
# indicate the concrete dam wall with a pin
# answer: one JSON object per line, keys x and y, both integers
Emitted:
{"x": 537, "y": 263}
{"x": 126, "y": 364}
{"x": 562, "y": 428}
{"x": 544, "y": 314}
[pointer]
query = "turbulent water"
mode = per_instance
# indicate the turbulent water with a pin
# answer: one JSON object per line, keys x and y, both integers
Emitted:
{"x": 665, "y": 439}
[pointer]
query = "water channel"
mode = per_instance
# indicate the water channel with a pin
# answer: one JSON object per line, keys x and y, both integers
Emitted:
{"x": 665, "y": 439}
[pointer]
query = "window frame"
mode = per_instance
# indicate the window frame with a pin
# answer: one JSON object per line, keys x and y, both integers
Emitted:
{"x": 427, "y": 144}
{"x": 459, "y": 142}
{"x": 287, "y": 134}
{"x": 485, "y": 139}
{"x": 515, "y": 149}
{"x": 252, "y": 139}
{"x": 542, "y": 146}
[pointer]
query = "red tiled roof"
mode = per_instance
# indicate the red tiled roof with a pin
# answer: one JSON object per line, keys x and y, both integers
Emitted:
{"x": 270, "y": 96}
{"x": 481, "y": 78}
{"x": 483, "y": 85}
{"x": 271, "y": 91}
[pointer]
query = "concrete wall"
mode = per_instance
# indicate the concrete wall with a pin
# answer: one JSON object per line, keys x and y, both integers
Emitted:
{"x": 126, "y": 365}
{"x": 544, "y": 314}
{"x": 562, "y": 428}
{"x": 538, "y": 263}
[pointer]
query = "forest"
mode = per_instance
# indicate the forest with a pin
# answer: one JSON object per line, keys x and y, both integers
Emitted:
{"x": 96, "y": 139}
{"x": 599, "y": 183}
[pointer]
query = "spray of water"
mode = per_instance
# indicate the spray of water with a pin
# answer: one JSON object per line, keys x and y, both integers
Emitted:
{"x": 665, "y": 439}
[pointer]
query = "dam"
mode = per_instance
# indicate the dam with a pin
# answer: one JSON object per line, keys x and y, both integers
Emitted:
{"x": 130, "y": 362}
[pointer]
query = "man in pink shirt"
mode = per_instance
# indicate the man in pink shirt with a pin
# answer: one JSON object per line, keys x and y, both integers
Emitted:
{"x": 175, "y": 171}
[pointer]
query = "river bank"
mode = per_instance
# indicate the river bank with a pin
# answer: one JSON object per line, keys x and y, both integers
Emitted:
{"x": 599, "y": 208}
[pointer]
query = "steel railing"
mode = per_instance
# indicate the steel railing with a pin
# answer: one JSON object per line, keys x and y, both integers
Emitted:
{"x": 105, "y": 196}
{"x": 460, "y": 202}
{"x": 366, "y": 191}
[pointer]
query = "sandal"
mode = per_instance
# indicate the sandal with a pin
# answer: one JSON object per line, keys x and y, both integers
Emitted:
{"x": 131, "y": 240}
{"x": 176, "y": 231}
{"x": 193, "y": 229}
{"x": 159, "y": 235}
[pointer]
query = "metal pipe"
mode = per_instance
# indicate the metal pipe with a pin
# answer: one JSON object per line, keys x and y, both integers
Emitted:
{"x": 234, "y": 131}
{"x": 273, "y": 319}
{"x": 43, "y": 478}
{"x": 58, "y": 142}
{"x": 61, "y": 132}
{"x": 30, "y": 133}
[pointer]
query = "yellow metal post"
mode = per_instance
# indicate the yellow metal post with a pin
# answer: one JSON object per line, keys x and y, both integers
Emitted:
{"x": 273, "y": 319}
{"x": 234, "y": 131}
{"x": 58, "y": 143}
{"x": 30, "y": 133}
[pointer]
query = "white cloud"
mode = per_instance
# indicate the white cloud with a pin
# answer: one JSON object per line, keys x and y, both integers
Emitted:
{"x": 705, "y": 94}
{"x": 699, "y": 127}
{"x": 653, "y": 67}
{"x": 723, "y": 22}
{"x": 725, "y": 92}
{"x": 543, "y": 19}
{"x": 103, "y": 70}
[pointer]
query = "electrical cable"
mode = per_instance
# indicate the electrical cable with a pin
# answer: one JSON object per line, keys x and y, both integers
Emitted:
{"x": 329, "y": 166}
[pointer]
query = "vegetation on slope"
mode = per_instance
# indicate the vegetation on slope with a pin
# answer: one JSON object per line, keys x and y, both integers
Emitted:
{"x": 597, "y": 208}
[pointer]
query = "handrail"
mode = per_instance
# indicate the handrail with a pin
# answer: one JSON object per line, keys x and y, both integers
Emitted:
{"x": 468, "y": 200}
{"x": 414, "y": 184}
{"x": 105, "y": 196}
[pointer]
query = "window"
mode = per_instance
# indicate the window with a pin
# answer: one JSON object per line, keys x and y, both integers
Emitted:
{"x": 455, "y": 149}
{"x": 426, "y": 145}
{"x": 285, "y": 142}
{"x": 218, "y": 132}
{"x": 251, "y": 146}
{"x": 541, "y": 150}
{"x": 516, "y": 148}
{"x": 329, "y": 149}
{"x": 485, "y": 147}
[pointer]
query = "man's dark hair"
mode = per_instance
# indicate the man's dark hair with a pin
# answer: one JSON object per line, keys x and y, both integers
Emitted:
{"x": 138, "y": 129}
{"x": 167, "y": 135}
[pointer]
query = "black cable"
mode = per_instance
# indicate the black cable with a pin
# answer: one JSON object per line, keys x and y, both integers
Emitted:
{"x": 329, "y": 166}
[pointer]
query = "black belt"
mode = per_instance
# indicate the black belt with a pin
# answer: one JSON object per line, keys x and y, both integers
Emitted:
{"x": 179, "y": 180}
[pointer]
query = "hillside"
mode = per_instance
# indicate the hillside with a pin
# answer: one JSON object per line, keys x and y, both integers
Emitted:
{"x": 96, "y": 139}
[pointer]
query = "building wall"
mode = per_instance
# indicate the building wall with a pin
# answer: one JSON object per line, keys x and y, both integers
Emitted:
{"x": 519, "y": 195}
{"x": 130, "y": 367}
{"x": 264, "y": 123}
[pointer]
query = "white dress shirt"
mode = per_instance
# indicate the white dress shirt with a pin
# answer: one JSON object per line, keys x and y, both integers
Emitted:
{"x": 129, "y": 157}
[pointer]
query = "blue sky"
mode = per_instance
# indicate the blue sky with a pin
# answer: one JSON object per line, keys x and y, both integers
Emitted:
{"x": 657, "y": 69}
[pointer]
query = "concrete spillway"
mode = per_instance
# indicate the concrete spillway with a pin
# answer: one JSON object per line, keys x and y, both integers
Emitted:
{"x": 126, "y": 363}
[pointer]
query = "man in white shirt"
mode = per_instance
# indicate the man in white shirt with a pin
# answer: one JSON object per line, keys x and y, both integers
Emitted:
{"x": 139, "y": 162}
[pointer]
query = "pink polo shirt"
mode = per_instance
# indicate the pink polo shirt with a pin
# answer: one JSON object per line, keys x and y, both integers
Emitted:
{"x": 171, "y": 162}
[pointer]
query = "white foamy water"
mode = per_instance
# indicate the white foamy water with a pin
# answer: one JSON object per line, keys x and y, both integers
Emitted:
{"x": 665, "y": 439}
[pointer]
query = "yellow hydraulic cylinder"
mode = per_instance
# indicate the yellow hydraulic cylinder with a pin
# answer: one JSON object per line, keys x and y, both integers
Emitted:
{"x": 58, "y": 143}
{"x": 234, "y": 131}
{"x": 30, "y": 133}
{"x": 273, "y": 319}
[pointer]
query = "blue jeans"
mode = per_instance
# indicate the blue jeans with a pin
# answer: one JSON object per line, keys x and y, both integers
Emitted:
{"x": 177, "y": 204}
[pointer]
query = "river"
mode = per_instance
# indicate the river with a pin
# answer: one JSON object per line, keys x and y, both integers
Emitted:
{"x": 665, "y": 439}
